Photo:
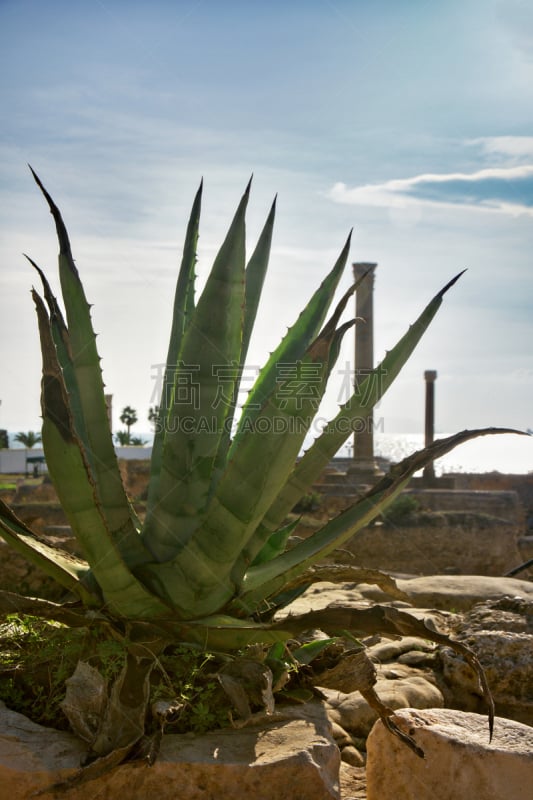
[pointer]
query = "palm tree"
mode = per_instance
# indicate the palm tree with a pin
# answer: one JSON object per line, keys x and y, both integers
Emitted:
{"x": 124, "y": 439}
{"x": 128, "y": 418}
{"x": 29, "y": 439}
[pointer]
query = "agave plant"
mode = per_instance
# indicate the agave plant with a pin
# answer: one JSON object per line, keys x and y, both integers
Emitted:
{"x": 212, "y": 562}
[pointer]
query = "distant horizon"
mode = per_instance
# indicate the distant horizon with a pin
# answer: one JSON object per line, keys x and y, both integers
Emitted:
{"x": 506, "y": 454}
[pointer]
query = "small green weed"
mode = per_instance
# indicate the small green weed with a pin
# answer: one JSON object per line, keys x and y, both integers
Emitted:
{"x": 309, "y": 502}
{"x": 36, "y": 658}
{"x": 188, "y": 676}
{"x": 400, "y": 509}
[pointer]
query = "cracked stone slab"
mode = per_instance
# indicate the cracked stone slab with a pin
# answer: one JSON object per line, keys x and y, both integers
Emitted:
{"x": 460, "y": 763}
{"x": 293, "y": 755}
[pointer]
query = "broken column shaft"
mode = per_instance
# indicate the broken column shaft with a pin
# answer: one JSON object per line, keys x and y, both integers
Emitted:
{"x": 430, "y": 376}
{"x": 363, "y": 460}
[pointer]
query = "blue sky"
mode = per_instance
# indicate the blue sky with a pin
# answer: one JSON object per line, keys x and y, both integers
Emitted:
{"x": 410, "y": 121}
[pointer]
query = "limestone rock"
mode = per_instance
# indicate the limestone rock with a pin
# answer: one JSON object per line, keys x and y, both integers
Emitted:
{"x": 351, "y": 755}
{"x": 348, "y": 745}
{"x": 353, "y": 782}
{"x": 501, "y": 634}
{"x": 505, "y": 614}
{"x": 393, "y": 649}
{"x": 459, "y": 763}
{"x": 322, "y": 594}
{"x": 352, "y": 712}
{"x": 292, "y": 756}
{"x": 454, "y": 592}
{"x": 342, "y": 737}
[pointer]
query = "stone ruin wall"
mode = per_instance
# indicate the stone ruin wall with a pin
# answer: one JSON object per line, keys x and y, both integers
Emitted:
{"x": 481, "y": 528}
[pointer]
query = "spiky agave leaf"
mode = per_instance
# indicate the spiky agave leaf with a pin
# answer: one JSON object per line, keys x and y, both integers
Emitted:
{"x": 254, "y": 475}
{"x": 221, "y": 632}
{"x": 59, "y": 331}
{"x": 89, "y": 388}
{"x": 163, "y": 534}
{"x": 74, "y": 483}
{"x": 255, "y": 275}
{"x": 313, "y": 462}
{"x": 294, "y": 344}
{"x": 68, "y": 570}
{"x": 332, "y": 573}
{"x": 254, "y": 278}
{"x": 211, "y": 345}
{"x": 128, "y": 541}
{"x": 223, "y": 576}
{"x": 184, "y": 303}
{"x": 264, "y": 580}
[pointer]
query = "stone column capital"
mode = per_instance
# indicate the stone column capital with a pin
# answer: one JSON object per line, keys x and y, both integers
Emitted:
{"x": 360, "y": 268}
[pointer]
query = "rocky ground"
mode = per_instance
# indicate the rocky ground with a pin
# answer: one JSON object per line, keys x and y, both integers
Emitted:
{"x": 494, "y": 616}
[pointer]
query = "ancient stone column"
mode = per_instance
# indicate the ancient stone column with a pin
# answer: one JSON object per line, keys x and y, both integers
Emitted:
{"x": 430, "y": 376}
{"x": 363, "y": 460}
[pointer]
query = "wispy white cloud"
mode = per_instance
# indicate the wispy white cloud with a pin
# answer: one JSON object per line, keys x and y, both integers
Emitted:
{"x": 505, "y": 190}
{"x": 517, "y": 147}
